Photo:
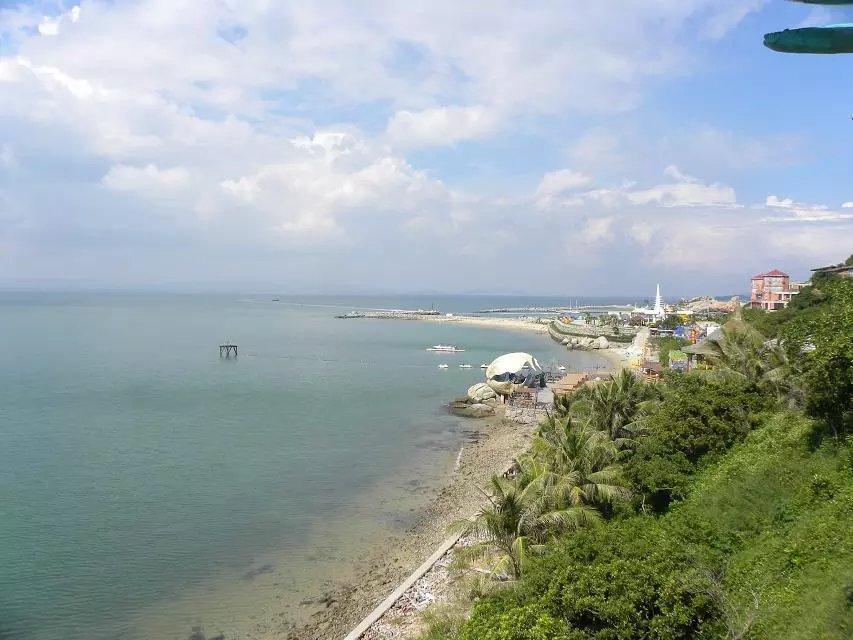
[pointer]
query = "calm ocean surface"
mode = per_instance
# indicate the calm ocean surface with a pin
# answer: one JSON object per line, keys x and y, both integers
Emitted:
{"x": 146, "y": 486}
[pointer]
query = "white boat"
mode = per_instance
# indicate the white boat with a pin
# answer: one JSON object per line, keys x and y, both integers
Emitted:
{"x": 561, "y": 368}
{"x": 451, "y": 348}
{"x": 464, "y": 366}
{"x": 484, "y": 366}
{"x": 442, "y": 366}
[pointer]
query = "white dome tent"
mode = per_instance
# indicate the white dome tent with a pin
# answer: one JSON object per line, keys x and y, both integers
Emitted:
{"x": 512, "y": 371}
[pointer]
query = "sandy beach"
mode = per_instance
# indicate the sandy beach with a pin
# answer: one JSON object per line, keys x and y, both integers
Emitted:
{"x": 521, "y": 324}
{"x": 615, "y": 356}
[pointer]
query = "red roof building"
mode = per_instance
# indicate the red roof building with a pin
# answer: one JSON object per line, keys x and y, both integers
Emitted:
{"x": 772, "y": 290}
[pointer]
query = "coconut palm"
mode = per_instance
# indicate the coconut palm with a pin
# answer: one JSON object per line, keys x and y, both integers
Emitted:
{"x": 616, "y": 406}
{"x": 578, "y": 469}
{"x": 506, "y": 530}
{"x": 741, "y": 352}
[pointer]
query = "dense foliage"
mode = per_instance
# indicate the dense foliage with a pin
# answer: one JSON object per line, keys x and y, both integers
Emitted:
{"x": 665, "y": 345}
{"x": 819, "y": 341}
{"x": 699, "y": 416}
{"x": 713, "y": 509}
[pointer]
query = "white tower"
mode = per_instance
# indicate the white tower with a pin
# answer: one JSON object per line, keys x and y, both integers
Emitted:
{"x": 658, "y": 310}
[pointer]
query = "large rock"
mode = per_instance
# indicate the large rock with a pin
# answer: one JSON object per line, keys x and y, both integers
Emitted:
{"x": 472, "y": 410}
{"x": 480, "y": 392}
{"x": 480, "y": 410}
{"x": 602, "y": 343}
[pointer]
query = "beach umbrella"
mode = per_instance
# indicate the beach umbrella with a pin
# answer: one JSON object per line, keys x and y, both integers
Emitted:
{"x": 833, "y": 38}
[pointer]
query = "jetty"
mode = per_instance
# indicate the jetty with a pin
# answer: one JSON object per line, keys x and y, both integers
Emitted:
{"x": 225, "y": 350}
{"x": 392, "y": 314}
{"x": 559, "y": 310}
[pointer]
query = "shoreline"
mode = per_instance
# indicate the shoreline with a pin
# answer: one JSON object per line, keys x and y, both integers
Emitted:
{"x": 615, "y": 356}
{"x": 492, "y": 445}
{"x": 495, "y": 323}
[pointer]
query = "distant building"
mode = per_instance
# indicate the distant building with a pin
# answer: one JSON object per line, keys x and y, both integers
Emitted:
{"x": 656, "y": 313}
{"x": 772, "y": 290}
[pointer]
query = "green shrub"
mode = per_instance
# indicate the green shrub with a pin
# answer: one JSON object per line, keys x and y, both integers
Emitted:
{"x": 491, "y": 621}
{"x": 699, "y": 416}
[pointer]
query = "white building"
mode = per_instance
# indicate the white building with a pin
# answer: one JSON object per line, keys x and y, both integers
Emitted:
{"x": 656, "y": 313}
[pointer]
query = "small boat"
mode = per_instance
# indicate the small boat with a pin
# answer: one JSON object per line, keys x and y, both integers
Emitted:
{"x": 464, "y": 366}
{"x": 451, "y": 348}
{"x": 442, "y": 366}
{"x": 484, "y": 366}
{"x": 561, "y": 368}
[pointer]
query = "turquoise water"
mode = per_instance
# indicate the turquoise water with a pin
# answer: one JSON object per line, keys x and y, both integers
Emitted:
{"x": 147, "y": 486}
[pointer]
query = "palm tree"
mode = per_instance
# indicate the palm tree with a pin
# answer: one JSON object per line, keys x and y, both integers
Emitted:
{"x": 615, "y": 406}
{"x": 506, "y": 530}
{"x": 741, "y": 352}
{"x": 577, "y": 470}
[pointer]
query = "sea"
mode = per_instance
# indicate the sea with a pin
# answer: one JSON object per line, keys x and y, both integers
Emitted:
{"x": 149, "y": 486}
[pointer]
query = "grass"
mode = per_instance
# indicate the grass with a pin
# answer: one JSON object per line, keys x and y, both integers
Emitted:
{"x": 779, "y": 512}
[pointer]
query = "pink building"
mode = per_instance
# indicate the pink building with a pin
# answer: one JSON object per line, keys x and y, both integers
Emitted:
{"x": 772, "y": 290}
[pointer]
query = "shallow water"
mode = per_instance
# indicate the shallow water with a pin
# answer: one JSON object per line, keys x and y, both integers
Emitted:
{"x": 147, "y": 486}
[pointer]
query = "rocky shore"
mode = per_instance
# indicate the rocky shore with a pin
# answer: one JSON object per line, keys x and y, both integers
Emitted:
{"x": 491, "y": 445}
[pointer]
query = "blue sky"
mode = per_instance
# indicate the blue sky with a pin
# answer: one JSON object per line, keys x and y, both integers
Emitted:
{"x": 565, "y": 148}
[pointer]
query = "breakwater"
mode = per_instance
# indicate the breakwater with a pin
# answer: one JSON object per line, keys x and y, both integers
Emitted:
{"x": 391, "y": 314}
{"x": 558, "y": 310}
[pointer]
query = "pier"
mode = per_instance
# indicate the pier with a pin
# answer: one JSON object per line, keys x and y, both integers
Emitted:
{"x": 226, "y": 349}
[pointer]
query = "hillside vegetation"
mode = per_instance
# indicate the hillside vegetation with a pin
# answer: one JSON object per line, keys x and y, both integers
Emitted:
{"x": 718, "y": 504}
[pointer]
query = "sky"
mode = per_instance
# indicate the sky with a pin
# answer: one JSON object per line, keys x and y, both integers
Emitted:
{"x": 568, "y": 147}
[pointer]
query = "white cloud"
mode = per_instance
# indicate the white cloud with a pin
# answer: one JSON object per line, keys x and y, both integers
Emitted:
{"x": 598, "y": 148}
{"x": 150, "y": 180}
{"x": 52, "y": 76}
{"x": 802, "y": 212}
{"x": 537, "y": 58}
{"x": 818, "y": 245}
{"x": 597, "y": 230}
{"x": 441, "y": 126}
{"x": 559, "y": 188}
{"x": 672, "y": 171}
{"x": 686, "y": 192}
{"x": 230, "y": 133}
{"x": 641, "y": 233}
{"x": 49, "y": 27}
{"x": 557, "y": 182}
{"x": 847, "y": 205}
{"x": 331, "y": 179}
